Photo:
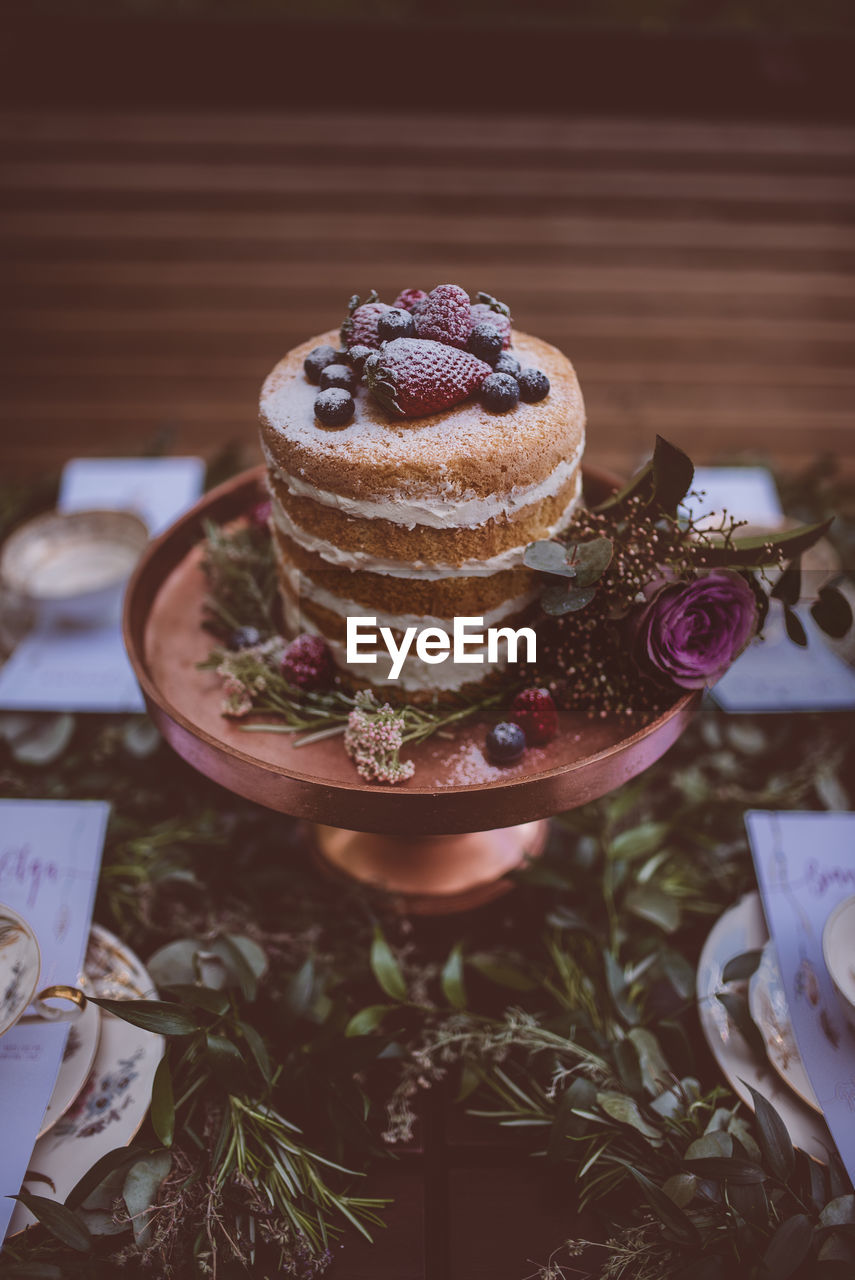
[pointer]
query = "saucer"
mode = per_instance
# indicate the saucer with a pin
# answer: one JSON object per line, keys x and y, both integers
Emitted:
{"x": 767, "y": 1002}
{"x": 116, "y": 1096}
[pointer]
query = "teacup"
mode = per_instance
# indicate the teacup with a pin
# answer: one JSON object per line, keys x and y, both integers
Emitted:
{"x": 20, "y": 965}
{"x": 838, "y": 951}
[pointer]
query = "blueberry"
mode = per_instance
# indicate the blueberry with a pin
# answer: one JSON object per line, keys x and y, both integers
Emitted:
{"x": 507, "y": 363}
{"x": 338, "y": 375}
{"x": 244, "y": 638}
{"x": 499, "y": 392}
{"x": 395, "y": 323}
{"x": 533, "y": 385}
{"x": 505, "y": 742}
{"x": 316, "y": 361}
{"x": 334, "y": 407}
{"x": 485, "y": 342}
{"x": 358, "y": 355}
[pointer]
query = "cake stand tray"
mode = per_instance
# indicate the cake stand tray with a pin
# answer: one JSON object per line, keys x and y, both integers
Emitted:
{"x": 455, "y": 789}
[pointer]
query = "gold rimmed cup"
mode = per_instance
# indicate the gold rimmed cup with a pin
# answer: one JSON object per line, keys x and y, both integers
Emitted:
{"x": 20, "y": 965}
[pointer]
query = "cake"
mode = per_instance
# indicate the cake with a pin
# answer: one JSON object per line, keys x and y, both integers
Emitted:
{"x": 414, "y": 520}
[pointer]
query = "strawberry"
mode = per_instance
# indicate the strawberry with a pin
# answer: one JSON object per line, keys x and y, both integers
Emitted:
{"x": 360, "y": 326}
{"x": 308, "y": 662}
{"x": 488, "y": 310}
{"x": 534, "y": 711}
{"x": 412, "y": 377}
{"x": 410, "y": 299}
{"x": 445, "y": 316}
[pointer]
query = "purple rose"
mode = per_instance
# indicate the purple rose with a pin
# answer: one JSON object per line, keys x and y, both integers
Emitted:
{"x": 690, "y": 632}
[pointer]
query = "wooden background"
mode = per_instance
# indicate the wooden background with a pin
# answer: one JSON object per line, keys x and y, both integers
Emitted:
{"x": 156, "y": 264}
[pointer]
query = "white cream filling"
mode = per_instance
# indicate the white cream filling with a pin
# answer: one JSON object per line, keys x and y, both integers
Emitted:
{"x": 416, "y": 676}
{"x": 510, "y": 558}
{"x": 305, "y": 588}
{"x": 435, "y": 509}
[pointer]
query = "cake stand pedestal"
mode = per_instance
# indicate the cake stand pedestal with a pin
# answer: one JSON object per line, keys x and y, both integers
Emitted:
{"x": 443, "y": 841}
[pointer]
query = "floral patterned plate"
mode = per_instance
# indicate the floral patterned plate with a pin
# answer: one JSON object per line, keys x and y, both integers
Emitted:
{"x": 116, "y": 1096}
{"x": 767, "y": 1001}
{"x": 80, "y": 1050}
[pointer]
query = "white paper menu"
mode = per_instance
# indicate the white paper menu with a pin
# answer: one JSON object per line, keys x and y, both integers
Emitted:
{"x": 58, "y": 668}
{"x": 805, "y": 865}
{"x": 50, "y": 855}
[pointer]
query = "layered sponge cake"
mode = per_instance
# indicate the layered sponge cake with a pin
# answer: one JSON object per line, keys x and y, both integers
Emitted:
{"x": 413, "y": 520}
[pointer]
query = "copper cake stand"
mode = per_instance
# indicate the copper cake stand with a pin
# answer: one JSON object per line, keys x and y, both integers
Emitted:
{"x": 443, "y": 841}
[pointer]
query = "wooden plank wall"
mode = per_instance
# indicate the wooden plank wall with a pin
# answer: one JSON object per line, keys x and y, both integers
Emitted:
{"x": 700, "y": 275}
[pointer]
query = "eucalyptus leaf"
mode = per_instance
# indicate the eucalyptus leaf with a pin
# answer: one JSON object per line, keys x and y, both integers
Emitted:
{"x": 626, "y": 1110}
{"x": 716, "y": 1144}
{"x": 452, "y": 978}
{"x": 775, "y": 1141}
{"x": 119, "y": 1158}
{"x": 142, "y": 1184}
{"x": 62, "y": 1222}
{"x": 838, "y": 1212}
{"x": 160, "y": 1016}
{"x": 680, "y": 1188}
{"x": 367, "y": 1020}
{"x": 678, "y": 1223}
{"x": 558, "y": 600}
{"x": 549, "y": 557}
{"x": 163, "y": 1103}
{"x": 832, "y": 612}
{"x": 385, "y": 967}
{"x": 590, "y": 560}
{"x": 789, "y": 1246}
{"x": 44, "y": 740}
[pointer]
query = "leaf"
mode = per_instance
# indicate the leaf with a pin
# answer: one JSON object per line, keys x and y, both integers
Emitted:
{"x": 789, "y": 1246}
{"x": 452, "y": 978}
{"x": 678, "y": 1223}
{"x": 838, "y": 1212}
{"x": 649, "y": 902}
{"x": 556, "y": 601}
{"x": 590, "y": 560}
{"x": 562, "y": 917}
{"x": 226, "y": 1060}
{"x": 739, "y": 968}
{"x": 44, "y": 740}
{"x": 549, "y": 557}
{"x": 502, "y": 973}
{"x": 673, "y": 473}
{"x": 795, "y": 629}
{"x": 385, "y": 967}
{"x": 679, "y": 973}
{"x": 245, "y": 958}
{"x": 766, "y": 548}
{"x": 198, "y": 997}
{"x": 832, "y": 612}
{"x": 367, "y": 1020}
{"x": 58, "y": 1219}
{"x": 637, "y": 842}
{"x": 101, "y": 1169}
{"x": 139, "y": 1193}
{"x": 788, "y": 588}
{"x": 680, "y": 1188}
{"x": 640, "y": 486}
{"x": 163, "y": 1103}
{"x": 741, "y": 1172}
{"x": 715, "y": 1145}
{"x": 738, "y": 1012}
{"x": 655, "y": 1072}
{"x": 160, "y": 1016}
{"x": 300, "y": 991}
{"x": 174, "y": 964}
{"x": 775, "y": 1141}
{"x": 258, "y": 1049}
{"x": 579, "y": 1096}
{"x": 141, "y": 737}
{"x": 626, "y": 1111}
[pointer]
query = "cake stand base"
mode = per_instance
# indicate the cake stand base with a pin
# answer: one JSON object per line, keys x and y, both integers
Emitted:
{"x": 432, "y": 875}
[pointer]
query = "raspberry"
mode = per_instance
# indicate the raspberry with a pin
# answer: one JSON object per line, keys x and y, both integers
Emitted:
{"x": 533, "y": 385}
{"x": 534, "y": 711}
{"x": 412, "y": 377}
{"x": 409, "y": 299}
{"x": 445, "y": 316}
{"x": 360, "y": 327}
{"x": 308, "y": 663}
{"x": 487, "y": 310}
{"x": 505, "y": 742}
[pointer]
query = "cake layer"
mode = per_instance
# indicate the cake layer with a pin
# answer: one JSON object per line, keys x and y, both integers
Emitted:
{"x": 436, "y": 469}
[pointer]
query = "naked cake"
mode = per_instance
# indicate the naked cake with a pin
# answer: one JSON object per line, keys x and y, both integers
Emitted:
{"x": 412, "y": 456}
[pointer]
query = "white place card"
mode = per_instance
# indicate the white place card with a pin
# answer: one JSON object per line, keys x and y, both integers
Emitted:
{"x": 50, "y": 854}
{"x": 748, "y": 493}
{"x": 805, "y": 866}
{"x": 60, "y": 668}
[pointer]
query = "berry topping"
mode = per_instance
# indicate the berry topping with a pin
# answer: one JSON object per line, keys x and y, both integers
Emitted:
{"x": 533, "y": 385}
{"x": 485, "y": 342}
{"x": 259, "y": 514}
{"x": 308, "y": 662}
{"x": 411, "y": 377}
{"x": 499, "y": 392}
{"x": 338, "y": 375}
{"x": 334, "y": 407}
{"x": 489, "y": 310}
{"x": 244, "y": 638}
{"x": 395, "y": 323}
{"x": 507, "y": 363}
{"x": 358, "y": 355}
{"x": 316, "y": 361}
{"x": 445, "y": 316}
{"x": 360, "y": 327}
{"x": 534, "y": 711}
{"x": 505, "y": 742}
{"x": 409, "y": 299}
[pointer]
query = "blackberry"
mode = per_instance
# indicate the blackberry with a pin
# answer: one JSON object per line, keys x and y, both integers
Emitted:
{"x": 244, "y": 638}
{"x": 533, "y": 385}
{"x": 357, "y": 356}
{"x": 499, "y": 392}
{"x": 338, "y": 375}
{"x": 316, "y": 361}
{"x": 507, "y": 363}
{"x": 505, "y": 742}
{"x": 485, "y": 342}
{"x": 334, "y": 407}
{"x": 395, "y": 323}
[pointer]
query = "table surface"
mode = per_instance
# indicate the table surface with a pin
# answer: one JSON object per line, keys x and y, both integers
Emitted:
{"x": 699, "y": 274}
